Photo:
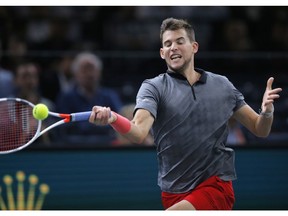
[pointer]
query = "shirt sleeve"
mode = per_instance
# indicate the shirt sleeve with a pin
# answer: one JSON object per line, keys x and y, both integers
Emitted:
{"x": 147, "y": 98}
{"x": 240, "y": 100}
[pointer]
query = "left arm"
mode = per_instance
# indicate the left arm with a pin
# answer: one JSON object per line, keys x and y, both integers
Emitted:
{"x": 259, "y": 124}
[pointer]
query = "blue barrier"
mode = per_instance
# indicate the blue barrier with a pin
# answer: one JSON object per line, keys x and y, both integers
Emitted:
{"x": 126, "y": 179}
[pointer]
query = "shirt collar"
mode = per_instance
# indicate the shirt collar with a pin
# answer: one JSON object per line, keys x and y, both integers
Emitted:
{"x": 202, "y": 78}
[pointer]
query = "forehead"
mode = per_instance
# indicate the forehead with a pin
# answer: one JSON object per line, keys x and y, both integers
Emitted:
{"x": 88, "y": 64}
{"x": 175, "y": 34}
{"x": 27, "y": 70}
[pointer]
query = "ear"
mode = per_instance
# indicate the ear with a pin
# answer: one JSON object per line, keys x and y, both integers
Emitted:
{"x": 195, "y": 46}
{"x": 162, "y": 53}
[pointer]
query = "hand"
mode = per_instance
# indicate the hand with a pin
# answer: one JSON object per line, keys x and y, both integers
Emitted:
{"x": 269, "y": 96}
{"x": 101, "y": 116}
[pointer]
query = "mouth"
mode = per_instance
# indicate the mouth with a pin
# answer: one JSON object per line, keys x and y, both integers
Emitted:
{"x": 175, "y": 57}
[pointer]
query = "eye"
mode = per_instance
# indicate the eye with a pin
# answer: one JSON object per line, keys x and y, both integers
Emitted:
{"x": 167, "y": 44}
{"x": 181, "y": 41}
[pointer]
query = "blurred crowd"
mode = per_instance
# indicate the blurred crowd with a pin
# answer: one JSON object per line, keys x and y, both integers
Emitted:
{"x": 74, "y": 57}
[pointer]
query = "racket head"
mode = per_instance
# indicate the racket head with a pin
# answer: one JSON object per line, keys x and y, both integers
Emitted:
{"x": 18, "y": 127}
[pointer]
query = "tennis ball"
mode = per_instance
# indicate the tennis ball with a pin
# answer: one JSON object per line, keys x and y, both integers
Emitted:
{"x": 40, "y": 111}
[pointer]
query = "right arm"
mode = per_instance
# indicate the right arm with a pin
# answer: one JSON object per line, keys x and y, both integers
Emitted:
{"x": 139, "y": 126}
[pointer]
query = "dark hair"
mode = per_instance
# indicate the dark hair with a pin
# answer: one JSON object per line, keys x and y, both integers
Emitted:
{"x": 176, "y": 24}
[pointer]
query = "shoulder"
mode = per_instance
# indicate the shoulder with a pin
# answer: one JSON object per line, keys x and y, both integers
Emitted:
{"x": 216, "y": 76}
{"x": 154, "y": 84}
{"x": 218, "y": 79}
{"x": 157, "y": 79}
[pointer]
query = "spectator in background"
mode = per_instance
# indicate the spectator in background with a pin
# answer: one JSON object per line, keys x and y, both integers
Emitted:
{"x": 27, "y": 87}
{"x": 27, "y": 84}
{"x": 127, "y": 111}
{"x": 61, "y": 76}
{"x": 235, "y": 38}
{"x": 6, "y": 82}
{"x": 87, "y": 70}
{"x": 17, "y": 50}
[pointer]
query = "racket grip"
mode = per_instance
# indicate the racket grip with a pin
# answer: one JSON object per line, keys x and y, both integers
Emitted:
{"x": 80, "y": 116}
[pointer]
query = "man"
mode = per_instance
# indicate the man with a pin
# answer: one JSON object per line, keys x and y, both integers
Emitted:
{"x": 27, "y": 84}
{"x": 87, "y": 69}
{"x": 6, "y": 82}
{"x": 188, "y": 110}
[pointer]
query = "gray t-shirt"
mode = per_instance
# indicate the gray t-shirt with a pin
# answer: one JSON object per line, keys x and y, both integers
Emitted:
{"x": 190, "y": 127}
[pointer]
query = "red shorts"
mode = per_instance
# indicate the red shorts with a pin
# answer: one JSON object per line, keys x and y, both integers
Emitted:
{"x": 212, "y": 194}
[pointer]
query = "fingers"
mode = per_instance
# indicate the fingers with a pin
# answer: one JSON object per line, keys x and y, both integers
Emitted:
{"x": 270, "y": 83}
{"x": 270, "y": 94}
{"x": 274, "y": 93}
{"x": 100, "y": 115}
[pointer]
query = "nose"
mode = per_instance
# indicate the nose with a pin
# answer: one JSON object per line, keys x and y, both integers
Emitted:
{"x": 174, "y": 46}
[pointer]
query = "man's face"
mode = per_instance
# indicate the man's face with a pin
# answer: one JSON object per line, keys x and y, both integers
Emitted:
{"x": 177, "y": 50}
{"x": 88, "y": 75}
{"x": 27, "y": 77}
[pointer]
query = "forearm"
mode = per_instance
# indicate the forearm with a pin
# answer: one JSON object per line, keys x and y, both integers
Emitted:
{"x": 128, "y": 129}
{"x": 135, "y": 135}
{"x": 263, "y": 124}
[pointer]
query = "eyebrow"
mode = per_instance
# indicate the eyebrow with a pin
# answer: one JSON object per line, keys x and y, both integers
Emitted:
{"x": 180, "y": 38}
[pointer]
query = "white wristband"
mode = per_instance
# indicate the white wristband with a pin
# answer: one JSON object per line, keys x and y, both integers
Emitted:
{"x": 267, "y": 114}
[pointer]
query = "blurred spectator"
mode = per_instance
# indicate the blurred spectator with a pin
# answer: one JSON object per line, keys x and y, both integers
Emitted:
{"x": 17, "y": 50}
{"x": 86, "y": 93}
{"x": 61, "y": 76}
{"x": 134, "y": 34}
{"x": 48, "y": 34}
{"x": 127, "y": 111}
{"x": 27, "y": 84}
{"x": 235, "y": 36}
{"x": 279, "y": 36}
{"x": 27, "y": 87}
{"x": 6, "y": 82}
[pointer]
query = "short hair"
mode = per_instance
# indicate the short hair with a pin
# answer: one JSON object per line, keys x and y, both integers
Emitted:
{"x": 176, "y": 24}
{"x": 86, "y": 56}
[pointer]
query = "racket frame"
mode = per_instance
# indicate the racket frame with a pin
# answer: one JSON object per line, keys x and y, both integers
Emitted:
{"x": 65, "y": 118}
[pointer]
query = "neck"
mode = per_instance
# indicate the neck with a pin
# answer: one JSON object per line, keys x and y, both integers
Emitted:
{"x": 189, "y": 72}
{"x": 193, "y": 77}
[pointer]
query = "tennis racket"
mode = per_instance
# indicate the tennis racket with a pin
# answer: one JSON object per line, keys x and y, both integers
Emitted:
{"x": 18, "y": 127}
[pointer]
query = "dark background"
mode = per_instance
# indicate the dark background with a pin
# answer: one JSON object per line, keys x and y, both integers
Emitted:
{"x": 248, "y": 44}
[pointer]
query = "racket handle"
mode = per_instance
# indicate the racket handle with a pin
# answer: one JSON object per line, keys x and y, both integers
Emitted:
{"x": 80, "y": 116}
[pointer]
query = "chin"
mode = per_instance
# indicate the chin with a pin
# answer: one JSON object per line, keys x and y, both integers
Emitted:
{"x": 178, "y": 69}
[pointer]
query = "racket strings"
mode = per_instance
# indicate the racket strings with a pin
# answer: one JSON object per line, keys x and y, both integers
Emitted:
{"x": 17, "y": 125}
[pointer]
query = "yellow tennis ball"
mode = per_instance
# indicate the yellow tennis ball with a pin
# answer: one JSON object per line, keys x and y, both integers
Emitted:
{"x": 40, "y": 111}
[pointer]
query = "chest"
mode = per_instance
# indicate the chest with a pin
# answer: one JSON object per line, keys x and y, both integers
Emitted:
{"x": 181, "y": 98}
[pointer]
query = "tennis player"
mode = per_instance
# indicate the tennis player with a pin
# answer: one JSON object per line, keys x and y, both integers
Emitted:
{"x": 188, "y": 110}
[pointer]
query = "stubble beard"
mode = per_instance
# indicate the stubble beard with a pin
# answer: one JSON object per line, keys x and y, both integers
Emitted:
{"x": 180, "y": 69}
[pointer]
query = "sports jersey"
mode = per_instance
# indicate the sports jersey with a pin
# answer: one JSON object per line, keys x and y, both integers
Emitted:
{"x": 190, "y": 127}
